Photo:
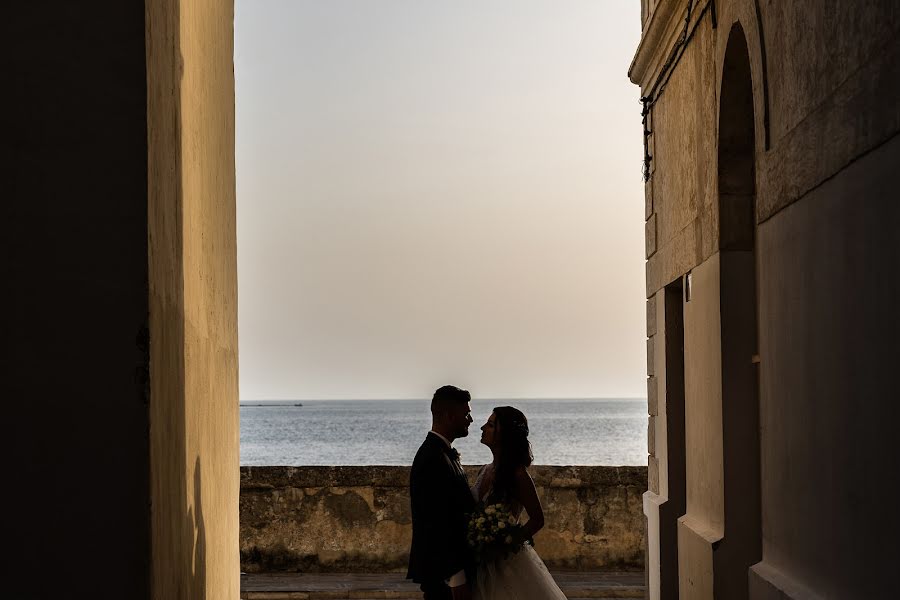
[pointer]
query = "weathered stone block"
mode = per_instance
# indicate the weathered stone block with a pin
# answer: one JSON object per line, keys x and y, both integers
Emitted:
{"x": 653, "y": 474}
{"x": 684, "y": 137}
{"x": 652, "y": 396}
{"x": 651, "y": 316}
{"x": 650, "y": 236}
{"x": 651, "y": 435}
{"x": 674, "y": 258}
{"x": 651, "y": 343}
{"x": 709, "y": 231}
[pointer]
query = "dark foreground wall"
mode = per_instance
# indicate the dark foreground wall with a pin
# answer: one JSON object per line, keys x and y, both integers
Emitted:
{"x": 73, "y": 237}
{"x": 118, "y": 282}
{"x": 357, "y": 518}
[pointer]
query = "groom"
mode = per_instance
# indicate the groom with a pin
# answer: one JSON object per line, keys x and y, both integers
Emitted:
{"x": 439, "y": 559}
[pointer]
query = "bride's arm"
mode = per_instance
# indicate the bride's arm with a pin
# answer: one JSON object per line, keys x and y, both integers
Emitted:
{"x": 476, "y": 487}
{"x": 527, "y": 495}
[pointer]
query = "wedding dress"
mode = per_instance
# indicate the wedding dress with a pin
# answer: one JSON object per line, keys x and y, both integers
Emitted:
{"x": 520, "y": 576}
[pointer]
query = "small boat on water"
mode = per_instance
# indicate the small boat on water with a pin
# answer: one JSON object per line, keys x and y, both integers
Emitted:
{"x": 298, "y": 404}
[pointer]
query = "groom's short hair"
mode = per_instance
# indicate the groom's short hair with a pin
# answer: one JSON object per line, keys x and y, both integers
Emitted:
{"x": 447, "y": 396}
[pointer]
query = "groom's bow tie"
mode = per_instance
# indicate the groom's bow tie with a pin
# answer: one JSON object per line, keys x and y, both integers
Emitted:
{"x": 454, "y": 454}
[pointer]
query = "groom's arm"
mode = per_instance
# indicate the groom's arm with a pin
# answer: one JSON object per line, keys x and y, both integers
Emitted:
{"x": 457, "y": 582}
{"x": 430, "y": 490}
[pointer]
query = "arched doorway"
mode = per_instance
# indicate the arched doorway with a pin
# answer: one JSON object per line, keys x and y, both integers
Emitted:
{"x": 741, "y": 546}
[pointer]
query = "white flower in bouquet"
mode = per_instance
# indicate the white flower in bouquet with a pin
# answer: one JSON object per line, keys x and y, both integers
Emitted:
{"x": 494, "y": 533}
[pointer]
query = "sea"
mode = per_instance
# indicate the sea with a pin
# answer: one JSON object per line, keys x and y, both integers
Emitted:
{"x": 606, "y": 431}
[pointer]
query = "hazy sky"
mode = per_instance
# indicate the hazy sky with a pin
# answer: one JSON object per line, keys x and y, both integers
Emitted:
{"x": 439, "y": 192}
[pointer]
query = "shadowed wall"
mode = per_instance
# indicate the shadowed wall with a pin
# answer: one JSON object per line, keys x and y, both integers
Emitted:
{"x": 119, "y": 281}
{"x": 73, "y": 237}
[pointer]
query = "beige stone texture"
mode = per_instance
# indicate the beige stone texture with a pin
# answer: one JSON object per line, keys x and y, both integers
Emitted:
{"x": 703, "y": 524}
{"x": 652, "y": 396}
{"x": 861, "y": 114}
{"x": 651, "y": 316}
{"x": 813, "y": 50}
{"x": 652, "y": 504}
{"x": 696, "y": 543}
{"x": 703, "y": 390}
{"x": 356, "y": 519}
{"x": 684, "y": 168}
{"x": 653, "y": 474}
{"x": 650, "y": 236}
{"x": 193, "y": 300}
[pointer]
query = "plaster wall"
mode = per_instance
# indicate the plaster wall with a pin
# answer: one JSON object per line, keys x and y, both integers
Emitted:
{"x": 703, "y": 525}
{"x": 340, "y": 519}
{"x": 73, "y": 241}
{"x": 703, "y": 390}
{"x": 193, "y": 293}
{"x": 828, "y": 309}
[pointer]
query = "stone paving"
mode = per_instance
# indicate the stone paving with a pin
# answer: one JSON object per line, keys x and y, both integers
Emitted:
{"x": 393, "y": 586}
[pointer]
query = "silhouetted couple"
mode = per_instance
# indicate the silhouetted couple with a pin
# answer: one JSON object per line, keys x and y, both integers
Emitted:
{"x": 467, "y": 541}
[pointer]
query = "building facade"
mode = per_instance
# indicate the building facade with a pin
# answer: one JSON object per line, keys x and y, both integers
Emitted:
{"x": 772, "y": 282}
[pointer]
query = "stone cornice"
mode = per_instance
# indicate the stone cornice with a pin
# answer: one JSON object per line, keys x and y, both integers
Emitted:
{"x": 656, "y": 39}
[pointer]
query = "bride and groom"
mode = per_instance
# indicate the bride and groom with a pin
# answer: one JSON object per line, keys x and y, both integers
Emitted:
{"x": 441, "y": 559}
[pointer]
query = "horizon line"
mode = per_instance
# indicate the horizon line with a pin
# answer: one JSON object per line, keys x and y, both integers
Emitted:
{"x": 428, "y": 399}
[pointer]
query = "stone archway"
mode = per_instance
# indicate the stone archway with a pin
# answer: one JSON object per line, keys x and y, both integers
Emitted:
{"x": 741, "y": 546}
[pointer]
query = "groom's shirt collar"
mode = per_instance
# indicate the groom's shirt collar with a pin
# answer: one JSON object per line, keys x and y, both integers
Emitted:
{"x": 446, "y": 441}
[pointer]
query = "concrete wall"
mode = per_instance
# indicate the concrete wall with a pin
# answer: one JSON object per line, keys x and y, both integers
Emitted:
{"x": 357, "y": 518}
{"x": 825, "y": 87}
{"x": 73, "y": 241}
{"x": 193, "y": 300}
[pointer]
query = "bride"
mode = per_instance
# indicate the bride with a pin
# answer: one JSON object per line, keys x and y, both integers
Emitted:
{"x": 521, "y": 575}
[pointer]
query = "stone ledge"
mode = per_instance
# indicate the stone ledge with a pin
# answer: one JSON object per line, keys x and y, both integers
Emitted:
{"x": 272, "y": 478}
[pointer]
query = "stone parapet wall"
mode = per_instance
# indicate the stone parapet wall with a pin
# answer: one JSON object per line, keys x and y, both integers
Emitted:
{"x": 319, "y": 519}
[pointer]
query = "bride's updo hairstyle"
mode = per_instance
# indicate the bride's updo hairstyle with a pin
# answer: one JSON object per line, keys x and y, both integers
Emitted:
{"x": 515, "y": 449}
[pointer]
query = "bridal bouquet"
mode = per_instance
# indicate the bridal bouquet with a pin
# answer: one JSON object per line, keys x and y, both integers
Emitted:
{"x": 494, "y": 534}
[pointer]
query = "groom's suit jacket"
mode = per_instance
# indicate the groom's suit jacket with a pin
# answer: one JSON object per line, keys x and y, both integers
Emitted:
{"x": 440, "y": 499}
